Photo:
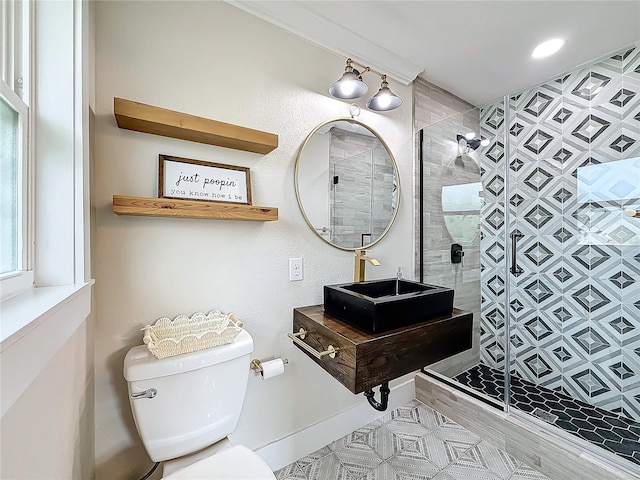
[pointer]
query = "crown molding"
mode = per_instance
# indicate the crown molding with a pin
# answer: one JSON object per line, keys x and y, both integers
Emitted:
{"x": 298, "y": 19}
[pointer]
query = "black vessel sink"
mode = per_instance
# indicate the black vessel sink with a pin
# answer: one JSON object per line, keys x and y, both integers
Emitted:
{"x": 380, "y": 305}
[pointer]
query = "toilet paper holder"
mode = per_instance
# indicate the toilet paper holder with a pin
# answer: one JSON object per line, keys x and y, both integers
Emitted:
{"x": 256, "y": 364}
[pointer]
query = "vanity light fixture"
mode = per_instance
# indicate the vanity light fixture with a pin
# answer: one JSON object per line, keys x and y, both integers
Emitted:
{"x": 351, "y": 86}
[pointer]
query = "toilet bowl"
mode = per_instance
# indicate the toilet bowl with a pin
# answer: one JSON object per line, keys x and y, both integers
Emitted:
{"x": 190, "y": 403}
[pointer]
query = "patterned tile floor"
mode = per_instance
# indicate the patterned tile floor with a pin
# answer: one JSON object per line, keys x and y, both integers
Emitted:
{"x": 610, "y": 431}
{"x": 412, "y": 442}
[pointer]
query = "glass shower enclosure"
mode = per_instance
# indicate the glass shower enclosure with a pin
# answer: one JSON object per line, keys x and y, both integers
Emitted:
{"x": 541, "y": 190}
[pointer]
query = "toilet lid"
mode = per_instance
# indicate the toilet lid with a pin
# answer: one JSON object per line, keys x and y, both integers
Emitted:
{"x": 235, "y": 463}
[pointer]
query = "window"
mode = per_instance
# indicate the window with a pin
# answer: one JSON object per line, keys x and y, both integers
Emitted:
{"x": 15, "y": 171}
{"x": 12, "y": 115}
{"x": 50, "y": 292}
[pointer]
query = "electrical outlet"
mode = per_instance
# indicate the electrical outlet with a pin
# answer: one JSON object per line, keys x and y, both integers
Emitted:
{"x": 295, "y": 269}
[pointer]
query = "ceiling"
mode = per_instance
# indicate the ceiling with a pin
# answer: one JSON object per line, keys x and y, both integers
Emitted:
{"x": 477, "y": 50}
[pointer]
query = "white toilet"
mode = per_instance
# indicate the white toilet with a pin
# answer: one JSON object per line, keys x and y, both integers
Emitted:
{"x": 185, "y": 406}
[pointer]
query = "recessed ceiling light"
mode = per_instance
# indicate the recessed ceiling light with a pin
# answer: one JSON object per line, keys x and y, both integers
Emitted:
{"x": 548, "y": 48}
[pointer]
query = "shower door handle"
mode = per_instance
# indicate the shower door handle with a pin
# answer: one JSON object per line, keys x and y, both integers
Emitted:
{"x": 515, "y": 269}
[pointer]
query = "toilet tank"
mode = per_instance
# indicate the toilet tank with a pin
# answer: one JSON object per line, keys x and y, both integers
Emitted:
{"x": 199, "y": 396}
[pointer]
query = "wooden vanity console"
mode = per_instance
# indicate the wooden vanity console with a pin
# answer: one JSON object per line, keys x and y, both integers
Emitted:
{"x": 366, "y": 360}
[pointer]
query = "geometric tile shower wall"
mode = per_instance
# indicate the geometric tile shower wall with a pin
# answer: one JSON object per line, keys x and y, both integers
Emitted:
{"x": 574, "y": 167}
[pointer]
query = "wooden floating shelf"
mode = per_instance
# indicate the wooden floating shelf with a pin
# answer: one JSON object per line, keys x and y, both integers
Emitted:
{"x": 168, "y": 123}
{"x": 167, "y": 207}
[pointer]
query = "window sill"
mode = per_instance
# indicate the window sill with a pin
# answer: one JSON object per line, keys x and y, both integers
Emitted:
{"x": 35, "y": 325}
{"x": 15, "y": 284}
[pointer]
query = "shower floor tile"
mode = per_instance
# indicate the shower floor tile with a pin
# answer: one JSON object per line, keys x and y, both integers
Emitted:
{"x": 612, "y": 432}
{"x": 411, "y": 442}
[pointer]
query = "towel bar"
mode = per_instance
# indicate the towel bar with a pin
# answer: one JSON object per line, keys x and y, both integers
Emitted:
{"x": 331, "y": 351}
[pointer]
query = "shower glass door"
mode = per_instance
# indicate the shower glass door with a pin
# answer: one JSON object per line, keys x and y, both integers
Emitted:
{"x": 553, "y": 278}
{"x": 574, "y": 281}
{"x": 462, "y": 204}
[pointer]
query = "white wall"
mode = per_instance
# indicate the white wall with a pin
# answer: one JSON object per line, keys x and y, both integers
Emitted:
{"x": 49, "y": 431}
{"x": 213, "y": 60}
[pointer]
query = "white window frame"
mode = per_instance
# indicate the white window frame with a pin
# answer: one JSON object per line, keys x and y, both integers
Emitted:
{"x": 36, "y": 323}
{"x": 15, "y": 88}
{"x": 17, "y": 281}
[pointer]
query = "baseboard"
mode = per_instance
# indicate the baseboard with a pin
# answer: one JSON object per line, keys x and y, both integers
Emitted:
{"x": 282, "y": 452}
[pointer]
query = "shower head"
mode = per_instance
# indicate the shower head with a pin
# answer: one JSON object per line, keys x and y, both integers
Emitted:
{"x": 472, "y": 143}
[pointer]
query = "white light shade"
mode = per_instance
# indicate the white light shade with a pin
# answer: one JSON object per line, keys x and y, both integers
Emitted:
{"x": 485, "y": 142}
{"x": 548, "y": 48}
{"x": 470, "y": 135}
{"x": 384, "y": 100}
{"x": 349, "y": 86}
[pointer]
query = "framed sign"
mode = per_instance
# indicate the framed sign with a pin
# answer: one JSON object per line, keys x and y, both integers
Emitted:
{"x": 189, "y": 179}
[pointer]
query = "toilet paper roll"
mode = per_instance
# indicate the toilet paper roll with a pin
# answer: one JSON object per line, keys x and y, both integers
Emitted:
{"x": 272, "y": 368}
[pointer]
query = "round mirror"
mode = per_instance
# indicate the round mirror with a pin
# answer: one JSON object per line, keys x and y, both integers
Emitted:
{"x": 347, "y": 184}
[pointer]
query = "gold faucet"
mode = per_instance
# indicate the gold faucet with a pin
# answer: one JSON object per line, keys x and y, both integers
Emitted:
{"x": 360, "y": 262}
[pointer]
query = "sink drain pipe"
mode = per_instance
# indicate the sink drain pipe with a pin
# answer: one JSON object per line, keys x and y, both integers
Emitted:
{"x": 384, "y": 397}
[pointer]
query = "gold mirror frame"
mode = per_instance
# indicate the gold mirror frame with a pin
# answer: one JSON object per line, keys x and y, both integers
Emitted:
{"x": 314, "y": 229}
